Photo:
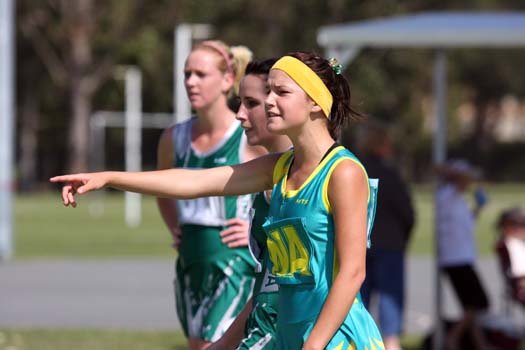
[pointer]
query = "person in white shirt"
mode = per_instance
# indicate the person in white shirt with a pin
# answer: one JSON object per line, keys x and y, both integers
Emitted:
{"x": 457, "y": 248}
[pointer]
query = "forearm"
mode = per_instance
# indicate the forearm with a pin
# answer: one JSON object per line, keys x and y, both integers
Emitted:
{"x": 335, "y": 309}
{"x": 235, "y": 333}
{"x": 171, "y": 183}
{"x": 251, "y": 177}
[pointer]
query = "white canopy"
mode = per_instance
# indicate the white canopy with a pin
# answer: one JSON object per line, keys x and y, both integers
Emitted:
{"x": 430, "y": 29}
{"x": 435, "y": 30}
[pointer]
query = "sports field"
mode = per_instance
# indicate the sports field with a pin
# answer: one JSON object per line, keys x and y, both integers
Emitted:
{"x": 44, "y": 228}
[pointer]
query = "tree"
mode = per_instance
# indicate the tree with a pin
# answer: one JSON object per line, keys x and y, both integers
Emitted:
{"x": 79, "y": 42}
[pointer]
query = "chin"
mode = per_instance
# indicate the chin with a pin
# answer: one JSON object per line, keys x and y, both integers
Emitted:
{"x": 275, "y": 129}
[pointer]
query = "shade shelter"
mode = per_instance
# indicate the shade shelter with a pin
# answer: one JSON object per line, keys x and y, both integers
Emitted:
{"x": 439, "y": 31}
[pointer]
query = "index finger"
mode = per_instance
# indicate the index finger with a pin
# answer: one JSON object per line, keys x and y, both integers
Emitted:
{"x": 67, "y": 178}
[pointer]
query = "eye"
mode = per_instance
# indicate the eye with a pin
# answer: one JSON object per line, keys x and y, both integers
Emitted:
{"x": 251, "y": 103}
{"x": 187, "y": 74}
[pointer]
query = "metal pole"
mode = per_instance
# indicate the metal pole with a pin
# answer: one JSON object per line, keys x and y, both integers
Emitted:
{"x": 7, "y": 116}
{"x": 97, "y": 128}
{"x": 133, "y": 141}
{"x": 182, "y": 50}
{"x": 438, "y": 157}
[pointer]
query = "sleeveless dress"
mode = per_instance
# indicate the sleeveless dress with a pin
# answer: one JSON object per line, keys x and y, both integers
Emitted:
{"x": 213, "y": 282}
{"x": 303, "y": 259}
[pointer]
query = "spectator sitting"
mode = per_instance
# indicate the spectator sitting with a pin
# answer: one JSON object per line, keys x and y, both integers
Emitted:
{"x": 510, "y": 248}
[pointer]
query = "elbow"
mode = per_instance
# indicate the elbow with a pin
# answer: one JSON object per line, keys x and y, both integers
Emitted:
{"x": 359, "y": 275}
{"x": 354, "y": 275}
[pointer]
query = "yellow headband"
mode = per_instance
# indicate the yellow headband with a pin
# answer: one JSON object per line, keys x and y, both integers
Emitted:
{"x": 308, "y": 80}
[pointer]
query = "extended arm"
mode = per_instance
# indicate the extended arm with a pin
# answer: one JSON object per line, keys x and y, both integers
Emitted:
{"x": 250, "y": 177}
{"x": 347, "y": 192}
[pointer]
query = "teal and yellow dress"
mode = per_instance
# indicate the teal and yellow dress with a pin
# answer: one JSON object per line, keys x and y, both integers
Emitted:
{"x": 301, "y": 243}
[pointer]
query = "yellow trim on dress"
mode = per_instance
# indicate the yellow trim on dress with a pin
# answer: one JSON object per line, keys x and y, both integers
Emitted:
{"x": 278, "y": 170}
{"x": 292, "y": 193}
{"x": 326, "y": 201}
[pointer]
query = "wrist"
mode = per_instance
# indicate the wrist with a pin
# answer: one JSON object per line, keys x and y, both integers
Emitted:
{"x": 309, "y": 346}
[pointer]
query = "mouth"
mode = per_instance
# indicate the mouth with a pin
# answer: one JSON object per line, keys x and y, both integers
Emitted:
{"x": 272, "y": 115}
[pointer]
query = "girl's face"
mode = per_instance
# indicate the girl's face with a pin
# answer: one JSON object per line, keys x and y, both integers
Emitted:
{"x": 252, "y": 114}
{"x": 287, "y": 105}
{"x": 204, "y": 82}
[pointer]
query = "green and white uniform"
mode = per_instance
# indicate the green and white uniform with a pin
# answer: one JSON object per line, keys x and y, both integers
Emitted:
{"x": 213, "y": 282}
{"x": 260, "y": 332}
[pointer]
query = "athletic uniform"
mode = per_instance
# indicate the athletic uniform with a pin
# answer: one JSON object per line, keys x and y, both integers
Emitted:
{"x": 213, "y": 282}
{"x": 260, "y": 326}
{"x": 301, "y": 244}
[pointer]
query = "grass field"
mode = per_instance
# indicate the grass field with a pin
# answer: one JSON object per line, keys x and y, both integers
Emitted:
{"x": 90, "y": 340}
{"x": 107, "y": 340}
{"x": 44, "y": 228}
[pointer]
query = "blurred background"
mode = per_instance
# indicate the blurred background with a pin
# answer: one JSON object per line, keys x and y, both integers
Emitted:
{"x": 71, "y": 70}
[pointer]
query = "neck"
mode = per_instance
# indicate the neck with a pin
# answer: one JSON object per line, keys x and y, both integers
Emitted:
{"x": 311, "y": 144}
{"x": 216, "y": 116}
{"x": 279, "y": 144}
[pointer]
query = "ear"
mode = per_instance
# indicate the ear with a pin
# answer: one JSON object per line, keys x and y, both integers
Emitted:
{"x": 227, "y": 82}
{"x": 316, "y": 108}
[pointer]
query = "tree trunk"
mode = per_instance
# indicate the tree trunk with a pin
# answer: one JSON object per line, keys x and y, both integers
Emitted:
{"x": 79, "y": 128}
{"x": 81, "y": 93}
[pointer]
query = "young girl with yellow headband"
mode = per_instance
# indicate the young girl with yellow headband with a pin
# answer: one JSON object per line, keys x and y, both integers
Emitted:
{"x": 320, "y": 213}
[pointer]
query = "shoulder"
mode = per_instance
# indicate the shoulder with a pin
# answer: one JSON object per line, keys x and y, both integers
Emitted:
{"x": 345, "y": 179}
{"x": 165, "y": 149}
{"x": 166, "y": 138}
{"x": 348, "y": 170}
{"x": 347, "y": 166}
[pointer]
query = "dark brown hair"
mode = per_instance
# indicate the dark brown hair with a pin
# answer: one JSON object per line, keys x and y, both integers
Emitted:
{"x": 341, "y": 112}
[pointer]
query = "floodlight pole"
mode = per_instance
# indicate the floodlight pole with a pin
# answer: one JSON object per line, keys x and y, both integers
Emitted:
{"x": 133, "y": 141}
{"x": 439, "y": 155}
{"x": 7, "y": 116}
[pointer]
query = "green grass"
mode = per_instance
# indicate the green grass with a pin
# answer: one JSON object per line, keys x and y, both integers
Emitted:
{"x": 44, "y": 228}
{"x": 23, "y": 339}
{"x": 109, "y": 340}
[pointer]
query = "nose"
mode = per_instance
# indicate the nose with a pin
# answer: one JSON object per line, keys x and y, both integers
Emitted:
{"x": 189, "y": 79}
{"x": 269, "y": 102}
{"x": 241, "y": 113}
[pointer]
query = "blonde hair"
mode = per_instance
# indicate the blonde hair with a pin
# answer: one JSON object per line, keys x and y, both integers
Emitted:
{"x": 233, "y": 59}
{"x": 241, "y": 57}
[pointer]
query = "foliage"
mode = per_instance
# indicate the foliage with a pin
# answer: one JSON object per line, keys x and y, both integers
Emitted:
{"x": 390, "y": 85}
